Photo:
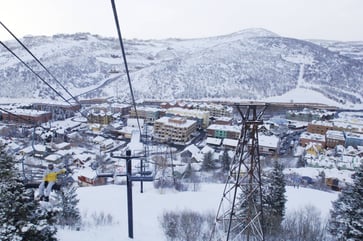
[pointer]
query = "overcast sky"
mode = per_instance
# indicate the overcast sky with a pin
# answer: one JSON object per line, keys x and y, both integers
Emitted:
{"x": 145, "y": 19}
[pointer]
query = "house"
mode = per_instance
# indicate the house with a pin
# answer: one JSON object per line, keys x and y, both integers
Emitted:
{"x": 313, "y": 149}
{"x": 62, "y": 146}
{"x": 268, "y": 144}
{"x": 106, "y": 144}
{"x": 98, "y": 140}
{"x": 190, "y": 153}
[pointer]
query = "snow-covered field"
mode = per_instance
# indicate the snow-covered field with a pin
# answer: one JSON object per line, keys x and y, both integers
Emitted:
{"x": 149, "y": 206}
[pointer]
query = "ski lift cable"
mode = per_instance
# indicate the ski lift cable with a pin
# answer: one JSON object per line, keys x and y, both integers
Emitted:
{"x": 125, "y": 61}
{"x": 46, "y": 69}
{"x": 43, "y": 80}
{"x": 22, "y": 61}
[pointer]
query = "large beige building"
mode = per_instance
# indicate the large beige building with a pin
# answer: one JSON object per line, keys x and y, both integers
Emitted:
{"x": 174, "y": 129}
{"x": 202, "y": 116}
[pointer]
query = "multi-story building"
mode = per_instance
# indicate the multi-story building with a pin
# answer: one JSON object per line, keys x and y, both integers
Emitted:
{"x": 307, "y": 137}
{"x": 174, "y": 129}
{"x": 224, "y": 131}
{"x": 202, "y": 117}
{"x": 100, "y": 117}
{"x": 149, "y": 114}
{"x": 223, "y": 120}
{"x": 215, "y": 110}
{"x": 123, "y": 109}
{"x": 334, "y": 138}
{"x": 114, "y": 108}
{"x": 59, "y": 111}
{"x": 353, "y": 139}
{"x": 321, "y": 127}
{"x": 309, "y": 115}
{"x": 27, "y": 116}
{"x": 178, "y": 104}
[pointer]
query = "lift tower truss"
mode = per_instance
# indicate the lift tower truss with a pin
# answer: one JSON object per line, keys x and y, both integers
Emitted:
{"x": 239, "y": 215}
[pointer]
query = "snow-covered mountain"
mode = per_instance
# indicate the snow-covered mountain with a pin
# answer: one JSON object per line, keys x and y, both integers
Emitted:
{"x": 250, "y": 64}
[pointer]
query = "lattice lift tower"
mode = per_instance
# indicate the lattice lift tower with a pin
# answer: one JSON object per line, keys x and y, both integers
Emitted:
{"x": 239, "y": 215}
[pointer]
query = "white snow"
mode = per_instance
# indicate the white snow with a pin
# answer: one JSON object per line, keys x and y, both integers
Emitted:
{"x": 150, "y": 205}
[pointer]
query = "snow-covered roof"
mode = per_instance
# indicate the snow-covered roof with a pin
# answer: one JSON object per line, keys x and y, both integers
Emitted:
{"x": 206, "y": 149}
{"x": 337, "y": 135}
{"x": 176, "y": 121}
{"x": 224, "y": 128}
{"x": 192, "y": 148}
{"x": 98, "y": 139}
{"x": 230, "y": 142}
{"x": 187, "y": 112}
{"x": 28, "y": 112}
{"x": 132, "y": 122}
{"x": 268, "y": 141}
{"x": 62, "y": 145}
{"x": 312, "y": 136}
{"x": 214, "y": 141}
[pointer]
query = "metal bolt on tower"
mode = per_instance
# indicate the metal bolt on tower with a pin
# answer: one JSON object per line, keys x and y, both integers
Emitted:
{"x": 239, "y": 215}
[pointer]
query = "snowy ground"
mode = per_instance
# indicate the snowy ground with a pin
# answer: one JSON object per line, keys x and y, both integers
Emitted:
{"x": 149, "y": 206}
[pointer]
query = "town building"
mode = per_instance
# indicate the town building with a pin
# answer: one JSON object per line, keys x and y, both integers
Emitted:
{"x": 215, "y": 110}
{"x": 320, "y": 127}
{"x": 268, "y": 145}
{"x": 174, "y": 129}
{"x": 334, "y": 138}
{"x": 26, "y": 116}
{"x": 309, "y": 115}
{"x": 100, "y": 117}
{"x": 223, "y": 120}
{"x": 201, "y": 117}
{"x": 224, "y": 131}
{"x": 353, "y": 139}
{"x": 177, "y": 104}
{"x": 60, "y": 111}
{"x": 149, "y": 114}
{"x": 308, "y": 137}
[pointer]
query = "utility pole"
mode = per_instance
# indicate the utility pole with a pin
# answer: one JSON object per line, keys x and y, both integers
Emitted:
{"x": 239, "y": 215}
{"x": 129, "y": 179}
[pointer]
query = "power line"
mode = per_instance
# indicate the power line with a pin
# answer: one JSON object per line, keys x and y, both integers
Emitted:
{"x": 125, "y": 62}
{"x": 38, "y": 62}
{"x": 45, "y": 82}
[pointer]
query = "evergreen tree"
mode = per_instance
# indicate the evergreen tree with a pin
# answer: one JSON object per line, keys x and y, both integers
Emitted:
{"x": 274, "y": 200}
{"x": 208, "y": 163}
{"x": 67, "y": 202}
{"x": 346, "y": 220}
{"x": 21, "y": 218}
{"x": 226, "y": 160}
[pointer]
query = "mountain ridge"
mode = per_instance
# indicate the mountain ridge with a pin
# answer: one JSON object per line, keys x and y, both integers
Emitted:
{"x": 249, "y": 64}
